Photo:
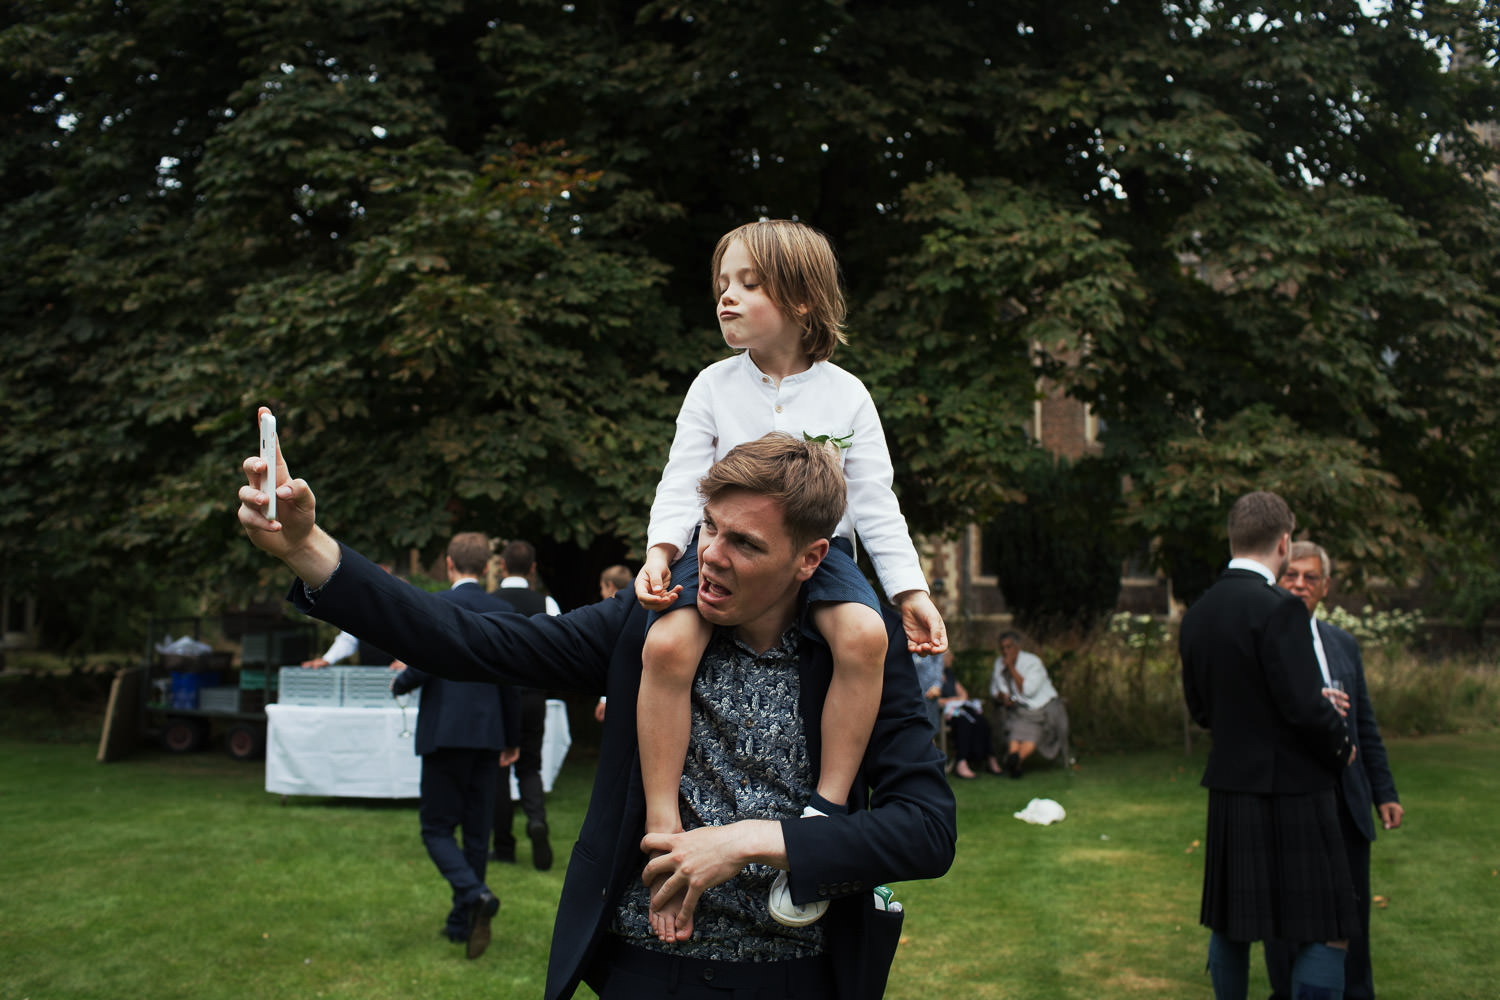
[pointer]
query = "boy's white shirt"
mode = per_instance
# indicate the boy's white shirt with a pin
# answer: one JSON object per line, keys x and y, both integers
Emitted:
{"x": 732, "y": 401}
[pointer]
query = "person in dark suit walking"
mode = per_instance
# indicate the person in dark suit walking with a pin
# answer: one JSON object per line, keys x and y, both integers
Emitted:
{"x": 770, "y": 505}
{"x": 1366, "y": 787}
{"x": 517, "y": 566}
{"x": 1274, "y": 866}
{"x": 461, "y": 728}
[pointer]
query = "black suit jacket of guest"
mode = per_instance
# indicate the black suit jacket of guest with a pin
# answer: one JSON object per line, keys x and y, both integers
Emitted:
{"x": 902, "y": 825}
{"x": 1368, "y": 781}
{"x": 526, "y": 602}
{"x": 473, "y": 715}
{"x": 1250, "y": 676}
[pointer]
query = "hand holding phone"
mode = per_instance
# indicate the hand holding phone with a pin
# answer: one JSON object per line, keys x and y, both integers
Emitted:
{"x": 268, "y": 455}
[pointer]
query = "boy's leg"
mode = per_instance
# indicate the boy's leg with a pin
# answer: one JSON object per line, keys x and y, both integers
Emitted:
{"x": 856, "y": 635}
{"x": 669, "y": 660}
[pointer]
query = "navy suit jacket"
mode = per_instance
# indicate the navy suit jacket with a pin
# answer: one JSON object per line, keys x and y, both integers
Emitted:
{"x": 1368, "y": 782}
{"x": 902, "y": 824}
{"x": 1250, "y": 675}
{"x": 474, "y": 715}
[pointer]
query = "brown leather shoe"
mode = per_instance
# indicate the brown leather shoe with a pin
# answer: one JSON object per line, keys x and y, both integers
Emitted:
{"x": 481, "y": 910}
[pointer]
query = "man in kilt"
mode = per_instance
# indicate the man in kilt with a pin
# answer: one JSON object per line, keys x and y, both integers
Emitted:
{"x": 1275, "y": 866}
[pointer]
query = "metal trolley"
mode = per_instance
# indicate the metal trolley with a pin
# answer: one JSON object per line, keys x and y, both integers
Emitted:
{"x": 189, "y": 701}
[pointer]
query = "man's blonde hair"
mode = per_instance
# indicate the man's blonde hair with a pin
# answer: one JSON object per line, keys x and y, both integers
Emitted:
{"x": 804, "y": 477}
{"x": 799, "y": 271}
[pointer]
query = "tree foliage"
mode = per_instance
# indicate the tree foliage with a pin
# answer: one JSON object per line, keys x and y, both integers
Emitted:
{"x": 461, "y": 249}
{"x": 1058, "y": 554}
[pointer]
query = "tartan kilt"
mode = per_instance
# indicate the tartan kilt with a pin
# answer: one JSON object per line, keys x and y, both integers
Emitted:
{"x": 1275, "y": 867}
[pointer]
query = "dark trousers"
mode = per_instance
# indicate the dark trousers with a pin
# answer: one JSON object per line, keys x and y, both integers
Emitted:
{"x": 528, "y": 774}
{"x": 1358, "y": 978}
{"x": 971, "y": 738}
{"x": 458, "y": 789}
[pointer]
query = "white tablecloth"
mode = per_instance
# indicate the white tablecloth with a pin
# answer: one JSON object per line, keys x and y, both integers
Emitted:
{"x": 360, "y": 752}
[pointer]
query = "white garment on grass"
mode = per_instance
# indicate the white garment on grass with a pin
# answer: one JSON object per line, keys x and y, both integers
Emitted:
{"x": 1042, "y": 812}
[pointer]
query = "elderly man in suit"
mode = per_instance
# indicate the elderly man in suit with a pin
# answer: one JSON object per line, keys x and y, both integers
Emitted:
{"x": 1274, "y": 865}
{"x": 461, "y": 730}
{"x": 757, "y": 704}
{"x": 1366, "y": 786}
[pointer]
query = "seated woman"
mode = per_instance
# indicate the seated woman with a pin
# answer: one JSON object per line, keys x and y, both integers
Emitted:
{"x": 1034, "y": 715}
{"x": 972, "y": 743}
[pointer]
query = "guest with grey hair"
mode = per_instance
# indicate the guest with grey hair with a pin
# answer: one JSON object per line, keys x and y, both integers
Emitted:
{"x": 1367, "y": 791}
{"x": 1035, "y": 718}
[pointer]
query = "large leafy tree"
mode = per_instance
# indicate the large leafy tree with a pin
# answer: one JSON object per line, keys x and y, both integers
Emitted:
{"x": 462, "y": 249}
{"x": 448, "y": 321}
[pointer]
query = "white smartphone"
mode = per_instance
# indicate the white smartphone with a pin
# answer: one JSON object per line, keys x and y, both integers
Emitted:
{"x": 268, "y": 455}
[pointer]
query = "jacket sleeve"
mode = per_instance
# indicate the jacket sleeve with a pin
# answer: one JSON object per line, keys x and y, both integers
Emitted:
{"x": 675, "y": 511}
{"x": 873, "y": 508}
{"x": 407, "y": 680}
{"x": 1372, "y": 756}
{"x": 910, "y": 826}
{"x": 1296, "y": 684}
{"x": 570, "y": 651}
{"x": 1192, "y": 690}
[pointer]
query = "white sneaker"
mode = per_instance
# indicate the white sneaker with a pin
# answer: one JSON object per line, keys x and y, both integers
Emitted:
{"x": 783, "y": 910}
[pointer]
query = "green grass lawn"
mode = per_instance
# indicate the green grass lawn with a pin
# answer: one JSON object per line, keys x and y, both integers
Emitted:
{"x": 180, "y": 877}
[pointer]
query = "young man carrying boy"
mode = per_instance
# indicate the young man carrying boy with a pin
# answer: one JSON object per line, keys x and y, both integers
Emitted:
{"x": 752, "y": 757}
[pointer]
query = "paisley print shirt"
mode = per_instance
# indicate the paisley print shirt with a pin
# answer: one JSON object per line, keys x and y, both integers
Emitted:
{"x": 747, "y": 759}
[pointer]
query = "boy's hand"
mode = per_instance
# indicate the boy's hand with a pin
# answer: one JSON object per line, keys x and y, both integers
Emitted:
{"x": 654, "y": 579}
{"x": 925, "y": 631}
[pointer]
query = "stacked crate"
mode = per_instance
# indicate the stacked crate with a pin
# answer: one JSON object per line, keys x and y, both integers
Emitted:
{"x": 340, "y": 687}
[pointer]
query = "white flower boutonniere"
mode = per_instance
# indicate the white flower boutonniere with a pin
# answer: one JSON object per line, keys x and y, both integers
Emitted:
{"x": 841, "y": 443}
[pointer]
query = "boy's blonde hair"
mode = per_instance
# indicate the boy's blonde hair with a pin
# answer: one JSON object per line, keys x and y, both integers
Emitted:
{"x": 797, "y": 266}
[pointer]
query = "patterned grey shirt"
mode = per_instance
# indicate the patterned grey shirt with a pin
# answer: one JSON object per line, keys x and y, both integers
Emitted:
{"x": 747, "y": 759}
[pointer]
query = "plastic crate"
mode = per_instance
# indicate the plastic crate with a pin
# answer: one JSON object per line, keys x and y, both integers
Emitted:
{"x": 276, "y": 646}
{"x": 320, "y": 688}
{"x": 219, "y": 699}
{"x": 254, "y": 679}
{"x": 367, "y": 687}
{"x": 185, "y": 685}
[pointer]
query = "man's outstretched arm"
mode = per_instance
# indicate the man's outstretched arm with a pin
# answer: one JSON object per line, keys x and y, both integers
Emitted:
{"x": 569, "y": 651}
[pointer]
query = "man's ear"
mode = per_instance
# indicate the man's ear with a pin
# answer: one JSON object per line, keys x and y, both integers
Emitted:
{"x": 811, "y": 558}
